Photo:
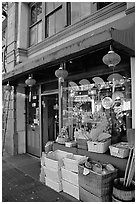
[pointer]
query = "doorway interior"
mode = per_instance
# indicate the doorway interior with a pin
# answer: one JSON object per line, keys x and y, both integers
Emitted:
{"x": 49, "y": 114}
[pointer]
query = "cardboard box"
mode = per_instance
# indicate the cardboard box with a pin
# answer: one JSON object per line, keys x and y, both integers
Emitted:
{"x": 53, "y": 174}
{"x": 72, "y": 163}
{"x": 69, "y": 176}
{"x": 96, "y": 183}
{"x": 54, "y": 159}
{"x": 70, "y": 189}
{"x": 57, "y": 186}
{"x": 86, "y": 196}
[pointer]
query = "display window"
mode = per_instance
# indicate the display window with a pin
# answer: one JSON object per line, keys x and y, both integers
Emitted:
{"x": 97, "y": 105}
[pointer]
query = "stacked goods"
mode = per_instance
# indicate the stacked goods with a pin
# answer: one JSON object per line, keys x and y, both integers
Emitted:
{"x": 42, "y": 170}
{"x": 63, "y": 136}
{"x": 95, "y": 181}
{"x": 53, "y": 164}
{"x": 70, "y": 174}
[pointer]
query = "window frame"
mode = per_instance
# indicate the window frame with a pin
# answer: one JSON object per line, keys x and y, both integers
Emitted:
{"x": 48, "y": 14}
{"x": 31, "y": 25}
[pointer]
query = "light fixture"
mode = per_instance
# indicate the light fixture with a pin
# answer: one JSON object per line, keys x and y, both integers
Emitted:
{"x": 61, "y": 73}
{"x": 30, "y": 82}
{"x": 8, "y": 87}
{"x": 111, "y": 59}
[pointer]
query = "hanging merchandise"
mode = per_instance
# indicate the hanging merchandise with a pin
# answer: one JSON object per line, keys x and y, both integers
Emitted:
{"x": 30, "y": 82}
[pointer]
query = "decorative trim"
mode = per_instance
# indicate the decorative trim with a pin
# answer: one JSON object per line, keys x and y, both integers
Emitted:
{"x": 21, "y": 52}
{"x": 130, "y": 10}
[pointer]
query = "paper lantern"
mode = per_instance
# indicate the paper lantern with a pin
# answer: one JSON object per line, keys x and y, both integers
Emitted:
{"x": 111, "y": 59}
{"x": 8, "y": 87}
{"x": 61, "y": 73}
{"x": 30, "y": 81}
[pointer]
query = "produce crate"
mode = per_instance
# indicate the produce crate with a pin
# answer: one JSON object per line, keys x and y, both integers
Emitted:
{"x": 69, "y": 176}
{"x": 71, "y": 163}
{"x": 82, "y": 144}
{"x": 96, "y": 183}
{"x": 54, "y": 159}
{"x": 99, "y": 147}
{"x": 53, "y": 174}
{"x": 70, "y": 189}
{"x": 57, "y": 186}
{"x": 120, "y": 150}
{"x": 86, "y": 196}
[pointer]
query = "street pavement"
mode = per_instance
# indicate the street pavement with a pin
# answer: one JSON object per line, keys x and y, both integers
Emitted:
{"x": 20, "y": 182}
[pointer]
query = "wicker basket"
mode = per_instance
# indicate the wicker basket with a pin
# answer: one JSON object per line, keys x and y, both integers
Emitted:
{"x": 121, "y": 193}
{"x": 118, "y": 150}
{"x": 99, "y": 147}
{"x": 96, "y": 183}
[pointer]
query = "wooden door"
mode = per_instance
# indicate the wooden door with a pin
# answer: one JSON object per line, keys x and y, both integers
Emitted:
{"x": 33, "y": 126}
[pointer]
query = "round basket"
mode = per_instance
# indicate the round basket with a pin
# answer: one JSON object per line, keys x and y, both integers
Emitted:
{"x": 121, "y": 193}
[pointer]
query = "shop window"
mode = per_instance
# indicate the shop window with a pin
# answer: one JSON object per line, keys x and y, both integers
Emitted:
{"x": 96, "y": 106}
{"x": 54, "y": 17}
{"x": 36, "y": 24}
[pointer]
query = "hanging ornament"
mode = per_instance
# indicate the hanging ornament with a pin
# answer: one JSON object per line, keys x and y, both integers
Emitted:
{"x": 111, "y": 59}
{"x": 30, "y": 82}
{"x": 8, "y": 87}
{"x": 61, "y": 73}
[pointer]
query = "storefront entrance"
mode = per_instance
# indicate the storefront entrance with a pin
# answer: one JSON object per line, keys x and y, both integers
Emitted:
{"x": 49, "y": 111}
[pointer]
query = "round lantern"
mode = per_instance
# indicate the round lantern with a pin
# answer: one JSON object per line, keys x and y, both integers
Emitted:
{"x": 8, "y": 87}
{"x": 111, "y": 59}
{"x": 30, "y": 82}
{"x": 61, "y": 73}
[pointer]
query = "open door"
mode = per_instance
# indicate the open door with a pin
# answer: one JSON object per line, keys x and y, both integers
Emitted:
{"x": 49, "y": 118}
{"x": 33, "y": 128}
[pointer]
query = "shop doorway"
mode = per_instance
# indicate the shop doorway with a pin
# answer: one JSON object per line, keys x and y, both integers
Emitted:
{"x": 49, "y": 110}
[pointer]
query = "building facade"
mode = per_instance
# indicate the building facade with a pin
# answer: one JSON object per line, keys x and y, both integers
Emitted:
{"x": 38, "y": 37}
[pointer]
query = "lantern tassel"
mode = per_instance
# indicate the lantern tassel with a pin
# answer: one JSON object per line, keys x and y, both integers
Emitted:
{"x": 30, "y": 95}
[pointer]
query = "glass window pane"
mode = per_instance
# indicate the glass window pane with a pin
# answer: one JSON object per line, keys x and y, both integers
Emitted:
{"x": 33, "y": 14}
{"x": 39, "y": 10}
{"x": 51, "y": 25}
{"x": 60, "y": 21}
{"x": 75, "y": 12}
{"x": 33, "y": 35}
{"x": 85, "y": 9}
{"x": 49, "y": 7}
{"x": 80, "y": 11}
{"x": 39, "y": 32}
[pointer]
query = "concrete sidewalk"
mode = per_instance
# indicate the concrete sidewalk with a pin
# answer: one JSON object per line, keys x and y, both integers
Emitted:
{"x": 20, "y": 181}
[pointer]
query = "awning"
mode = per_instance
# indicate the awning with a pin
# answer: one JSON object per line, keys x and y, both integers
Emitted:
{"x": 122, "y": 39}
{"x": 125, "y": 37}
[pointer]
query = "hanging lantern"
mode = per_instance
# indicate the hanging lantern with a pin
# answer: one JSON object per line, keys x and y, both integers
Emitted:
{"x": 8, "y": 87}
{"x": 30, "y": 82}
{"x": 61, "y": 73}
{"x": 111, "y": 59}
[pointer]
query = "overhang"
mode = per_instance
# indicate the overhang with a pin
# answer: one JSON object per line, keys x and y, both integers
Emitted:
{"x": 121, "y": 39}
